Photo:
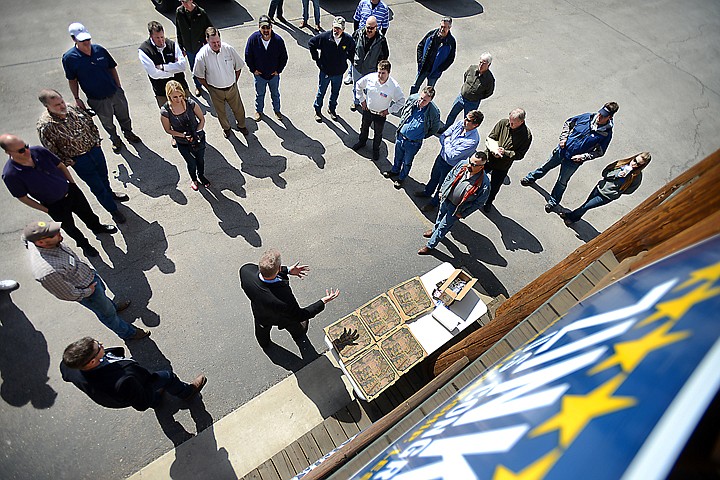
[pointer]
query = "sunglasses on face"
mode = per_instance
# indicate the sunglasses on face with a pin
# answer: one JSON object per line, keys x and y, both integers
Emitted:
{"x": 23, "y": 149}
{"x": 370, "y": 28}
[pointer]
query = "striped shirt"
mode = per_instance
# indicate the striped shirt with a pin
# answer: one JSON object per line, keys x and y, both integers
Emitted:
{"x": 68, "y": 137}
{"x": 61, "y": 272}
{"x": 365, "y": 9}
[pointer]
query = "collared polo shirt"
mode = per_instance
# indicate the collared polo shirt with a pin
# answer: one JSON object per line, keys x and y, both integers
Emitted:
{"x": 91, "y": 71}
{"x": 61, "y": 272}
{"x": 44, "y": 182}
{"x": 380, "y": 96}
{"x": 218, "y": 69}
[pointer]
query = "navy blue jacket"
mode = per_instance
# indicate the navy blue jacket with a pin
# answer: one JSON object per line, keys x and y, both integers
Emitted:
{"x": 581, "y": 139}
{"x": 274, "y": 59}
{"x": 331, "y": 58}
{"x": 435, "y": 54}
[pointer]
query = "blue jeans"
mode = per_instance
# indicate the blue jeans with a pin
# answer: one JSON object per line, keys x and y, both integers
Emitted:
{"x": 167, "y": 380}
{"x": 191, "y": 61}
{"x": 335, "y": 81}
{"x": 460, "y": 104}
{"x": 443, "y": 224}
{"x": 356, "y": 75}
{"x": 261, "y": 86}
{"x": 405, "y": 151}
{"x": 194, "y": 159}
{"x": 567, "y": 169}
{"x": 104, "y": 308}
{"x": 421, "y": 76}
{"x": 594, "y": 200}
{"x": 316, "y": 10}
{"x": 439, "y": 171}
{"x": 92, "y": 168}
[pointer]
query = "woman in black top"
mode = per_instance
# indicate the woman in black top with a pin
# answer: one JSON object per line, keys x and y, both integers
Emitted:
{"x": 182, "y": 118}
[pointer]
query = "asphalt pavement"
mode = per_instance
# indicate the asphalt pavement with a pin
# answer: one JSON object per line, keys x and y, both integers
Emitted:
{"x": 296, "y": 185}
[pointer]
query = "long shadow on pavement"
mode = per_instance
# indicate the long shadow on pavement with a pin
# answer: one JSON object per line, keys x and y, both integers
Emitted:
{"x": 295, "y": 140}
{"x": 146, "y": 249}
{"x": 24, "y": 359}
{"x": 514, "y": 236}
{"x": 583, "y": 229}
{"x": 455, "y": 9}
{"x": 201, "y": 458}
{"x": 257, "y": 161}
{"x": 151, "y": 174}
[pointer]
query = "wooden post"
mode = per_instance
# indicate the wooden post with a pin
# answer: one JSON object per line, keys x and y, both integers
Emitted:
{"x": 682, "y": 212}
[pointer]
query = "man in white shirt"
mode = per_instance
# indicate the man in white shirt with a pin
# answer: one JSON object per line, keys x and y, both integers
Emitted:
{"x": 378, "y": 94}
{"x": 217, "y": 68}
{"x": 163, "y": 61}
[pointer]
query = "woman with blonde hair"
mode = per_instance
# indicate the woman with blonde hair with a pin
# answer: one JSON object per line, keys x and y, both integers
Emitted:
{"x": 621, "y": 177}
{"x": 182, "y": 118}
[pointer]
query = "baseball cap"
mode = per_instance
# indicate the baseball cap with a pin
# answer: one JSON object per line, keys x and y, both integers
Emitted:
{"x": 339, "y": 22}
{"x": 264, "y": 20}
{"x": 38, "y": 230}
{"x": 79, "y": 31}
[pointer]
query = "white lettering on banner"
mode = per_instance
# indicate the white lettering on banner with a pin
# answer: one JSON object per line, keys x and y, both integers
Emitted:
{"x": 645, "y": 303}
{"x": 583, "y": 343}
{"x": 525, "y": 384}
{"x": 452, "y": 465}
{"x": 515, "y": 361}
{"x": 415, "y": 448}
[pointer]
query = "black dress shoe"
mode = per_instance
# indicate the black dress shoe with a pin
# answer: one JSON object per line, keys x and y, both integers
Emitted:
{"x": 105, "y": 229}
{"x": 487, "y": 207}
{"x": 389, "y": 174}
{"x": 120, "y": 197}
{"x": 118, "y": 217}
{"x": 526, "y": 182}
{"x": 358, "y": 146}
{"x": 397, "y": 184}
{"x": 549, "y": 207}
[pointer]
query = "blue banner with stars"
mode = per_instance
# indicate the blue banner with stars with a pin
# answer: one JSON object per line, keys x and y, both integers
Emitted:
{"x": 611, "y": 390}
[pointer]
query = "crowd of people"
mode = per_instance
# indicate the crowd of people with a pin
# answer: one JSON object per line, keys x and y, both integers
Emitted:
{"x": 466, "y": 176}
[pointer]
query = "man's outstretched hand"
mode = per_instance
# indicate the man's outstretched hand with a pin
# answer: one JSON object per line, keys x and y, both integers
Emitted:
{"x": 330, "y": 295}
{"x": 298, "y": 270}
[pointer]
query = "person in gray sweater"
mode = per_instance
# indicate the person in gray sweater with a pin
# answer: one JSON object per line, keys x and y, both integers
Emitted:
{"x": 621, "y": 177}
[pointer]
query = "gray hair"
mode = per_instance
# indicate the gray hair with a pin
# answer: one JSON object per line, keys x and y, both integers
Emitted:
{"x": 269, "y": 263}
{"x": 486, "y": 56}
{"x": 518, "y": 114}
{"x": 446, "y": 20}
{"x": 47, "y": 94}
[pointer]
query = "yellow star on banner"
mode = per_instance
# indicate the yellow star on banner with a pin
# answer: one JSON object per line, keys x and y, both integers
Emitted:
{"x": 675, "y": 309}
{"x": 534, "y": 471}
{"x": 709, "y": 274}
{"x": 578, "y": 410}
{"x": 629, "y": 354}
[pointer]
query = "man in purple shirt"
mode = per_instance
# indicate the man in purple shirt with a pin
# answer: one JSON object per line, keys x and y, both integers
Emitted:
{"x": 40, "y": 180}
{"x": 457, "y": 143}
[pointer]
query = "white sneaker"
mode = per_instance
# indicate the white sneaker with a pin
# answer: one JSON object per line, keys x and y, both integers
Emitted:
{"x": 8, "y": 285}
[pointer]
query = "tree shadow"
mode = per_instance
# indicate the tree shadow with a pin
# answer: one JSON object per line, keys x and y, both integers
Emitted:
{"x": 295, "y": 140}
{"x": 151, "y": 174}
{"x": 24, "y": 359}
{"x": 480, "y": 251}
{"x": 146, "y": 245}
{"x": 257, "y": 161}
{"x": 222, "y": 13}
{"x": 514, "y": 236}
{"x": 455, "y": 9}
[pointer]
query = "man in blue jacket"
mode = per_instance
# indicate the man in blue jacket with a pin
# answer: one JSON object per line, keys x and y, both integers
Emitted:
{"x": 419, "y": 119}
{"x": 266, "y": 56}
{"x": 463, "y": 191}
{"x": 331, "y": 52}
{"x": 435, "y": 54}
{"x": 583, "y": 137}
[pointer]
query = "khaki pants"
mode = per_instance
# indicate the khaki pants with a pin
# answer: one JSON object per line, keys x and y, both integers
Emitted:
{"x": 232, "y": 97}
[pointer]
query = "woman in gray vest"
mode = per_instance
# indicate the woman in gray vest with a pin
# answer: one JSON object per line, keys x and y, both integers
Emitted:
{"x": 621, "y": 177}
{"x": 182, "y": 118}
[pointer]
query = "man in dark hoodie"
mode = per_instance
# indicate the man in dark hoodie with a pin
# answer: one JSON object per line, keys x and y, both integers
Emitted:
{"x": 273, "y": 303}
{"x": 435, "y": 54}
{"x": 266, "y": 57}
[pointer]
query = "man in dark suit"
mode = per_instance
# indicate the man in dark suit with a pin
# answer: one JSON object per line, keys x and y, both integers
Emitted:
{"x": 113, "y": 381}
{"x": 267, "y": 285}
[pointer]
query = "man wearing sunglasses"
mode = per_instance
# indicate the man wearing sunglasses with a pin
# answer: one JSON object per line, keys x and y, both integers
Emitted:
{"x": 463, "y": 191}
{"x": 68, "y": 278}
{"x": 40, "y": 180}
{"x": 584, "y": 137}
{"x": 113, "y": 381}
{"x": 370, "y": 47}
{"x": 266, "y": 57}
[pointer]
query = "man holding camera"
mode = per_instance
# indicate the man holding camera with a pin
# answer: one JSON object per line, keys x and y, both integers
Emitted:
{"x": 72, "y": 136}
